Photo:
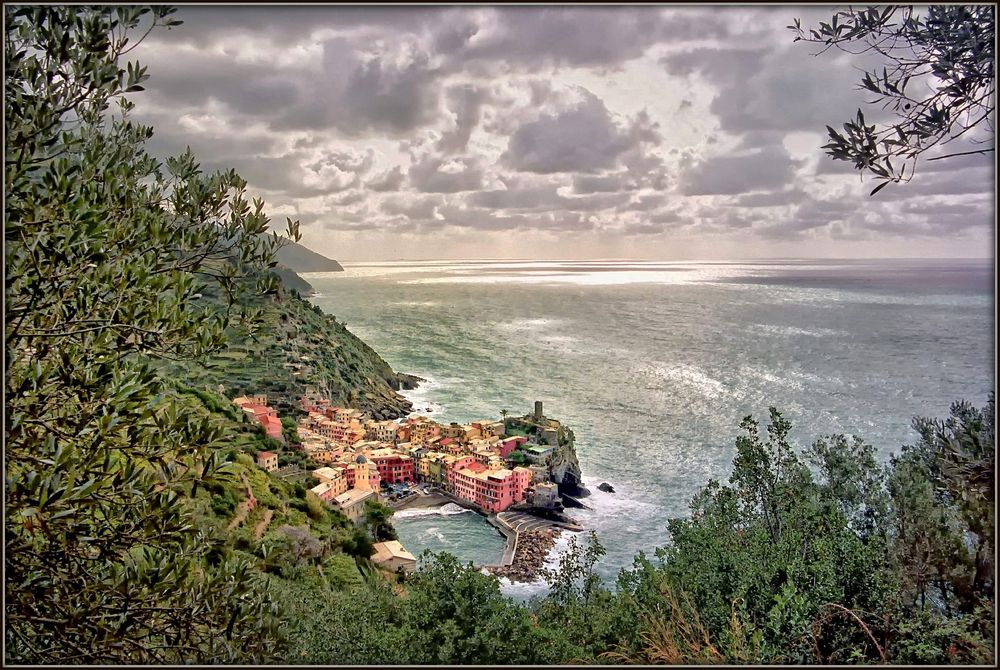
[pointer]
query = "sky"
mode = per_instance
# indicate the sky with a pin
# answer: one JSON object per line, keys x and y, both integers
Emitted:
{"x": 660, "y": 133}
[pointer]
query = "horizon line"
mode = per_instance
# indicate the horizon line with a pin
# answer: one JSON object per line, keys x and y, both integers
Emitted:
{"x": 666, "y": 260}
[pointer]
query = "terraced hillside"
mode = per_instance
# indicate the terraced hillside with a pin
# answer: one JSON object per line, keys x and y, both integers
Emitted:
{"x": 298, "y": 348}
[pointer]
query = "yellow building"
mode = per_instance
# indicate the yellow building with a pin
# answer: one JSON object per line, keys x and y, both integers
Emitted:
{"x": 334, "y": 478}
{"x": 393, "y": 555}
{"x": 352, "y": 504}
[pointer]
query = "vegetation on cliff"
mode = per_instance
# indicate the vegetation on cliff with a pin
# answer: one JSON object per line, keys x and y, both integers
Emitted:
{"x": 294, "y": 347}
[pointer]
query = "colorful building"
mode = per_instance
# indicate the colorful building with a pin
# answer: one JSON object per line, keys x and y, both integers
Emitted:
{"x": 335, "y": 478}
{"x": 268, "y": 460}
{"x": 491, "y": 490}
{"x": 352, "y": 504}
{"x": 393, "y": 467}
{"x": 393, "y": 556}
{"x": 324, "y": 491}
{"x": 509, "y": 444}
{"x": 381, "y": 431}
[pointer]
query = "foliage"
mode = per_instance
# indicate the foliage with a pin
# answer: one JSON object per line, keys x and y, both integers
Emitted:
{"x": 105, "y": 253}
{"x": 290, "y": 430}
{"x": 949, "y": 52}
{"x": 943, "y": 498}
{"x": 377, "y": 517}
{"x": 457, "y": 614}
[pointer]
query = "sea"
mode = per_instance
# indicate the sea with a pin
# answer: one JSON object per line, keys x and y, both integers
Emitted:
{"x": 654, "y": 365}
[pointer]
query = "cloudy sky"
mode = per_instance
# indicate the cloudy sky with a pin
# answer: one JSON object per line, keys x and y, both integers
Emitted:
{"x": 531, "y": 132}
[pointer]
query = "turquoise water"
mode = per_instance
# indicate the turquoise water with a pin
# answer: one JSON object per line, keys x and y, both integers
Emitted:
{"x": 450, "y": 528}
{"x": 655, "y": 364}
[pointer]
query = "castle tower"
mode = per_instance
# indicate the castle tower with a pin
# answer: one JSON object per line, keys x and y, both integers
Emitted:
{"x": 538, "y": 410}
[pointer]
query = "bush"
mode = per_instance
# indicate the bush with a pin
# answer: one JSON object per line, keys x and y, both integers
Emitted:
{"x": 222, "y": 506}
{"x": 315, "y": 508}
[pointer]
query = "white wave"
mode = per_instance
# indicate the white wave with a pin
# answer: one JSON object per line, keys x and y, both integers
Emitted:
{"x": 422, "y": 396}
{"x": 792, "y": 330}
{"x": 692, "y": 376}
{"x": 416, "y": 303}
{"x": 770, "y": 377}
{"x": 448, "y": 509}
{"x": 526, "y": 324}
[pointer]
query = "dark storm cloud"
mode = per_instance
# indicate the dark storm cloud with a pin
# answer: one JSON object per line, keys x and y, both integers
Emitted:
{"x": 390, "y": 180}
{"x": 412, "y": 207}
{"x": 668, "y": 217}
{"x": 488, "y": 219}
{"x": 600, "y": 184}
{"x": 287, "y": 23}
{"x": 438, "y": 174}
{"x": 968, "y": 181}
{"x": 544, "y": 198}
{"x": 349, "y": 91}
{"x": 583, "y": 138}
{"x": 781, "y": 89}
{"x": 587, "y": 36}
{"x": 465, "y": 102}
{"x": 762, "y": 170}
{"x": 771, "y": 199}
{"x": 358, "y": 96}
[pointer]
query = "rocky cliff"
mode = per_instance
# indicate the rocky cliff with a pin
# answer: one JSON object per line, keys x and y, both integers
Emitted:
{"x": 564, "y": 467}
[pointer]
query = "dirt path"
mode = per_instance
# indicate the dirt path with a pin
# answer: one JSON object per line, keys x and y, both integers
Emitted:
{"x": 258, "y": 532}
{"x": 241, "y": 513}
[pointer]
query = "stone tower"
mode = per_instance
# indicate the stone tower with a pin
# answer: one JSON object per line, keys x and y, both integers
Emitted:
{"x": 538, "y": 410}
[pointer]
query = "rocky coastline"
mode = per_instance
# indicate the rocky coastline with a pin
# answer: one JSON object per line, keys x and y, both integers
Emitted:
{"x": 529, "y": 558}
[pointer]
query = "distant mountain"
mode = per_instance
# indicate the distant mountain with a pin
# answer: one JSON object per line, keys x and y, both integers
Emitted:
{"x": 301, "y": 259}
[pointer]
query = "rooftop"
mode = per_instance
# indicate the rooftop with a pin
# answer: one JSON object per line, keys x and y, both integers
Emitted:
{"x": 385, "y": 551}
{"x": 352, "y": 497}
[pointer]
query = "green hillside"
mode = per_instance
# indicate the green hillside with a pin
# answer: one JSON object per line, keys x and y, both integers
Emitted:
{"x": 296, "y": 347}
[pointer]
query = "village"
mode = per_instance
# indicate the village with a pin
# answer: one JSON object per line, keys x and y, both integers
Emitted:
{"x": 487, "y": 465}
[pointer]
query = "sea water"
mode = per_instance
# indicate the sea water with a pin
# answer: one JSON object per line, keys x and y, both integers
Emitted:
{"x": 654, "y": 364}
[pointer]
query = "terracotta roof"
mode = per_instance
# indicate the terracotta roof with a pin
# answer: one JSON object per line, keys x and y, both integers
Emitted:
{"x": 265, "y": 454}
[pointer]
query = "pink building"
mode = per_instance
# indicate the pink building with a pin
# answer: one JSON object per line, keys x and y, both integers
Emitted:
{"x": 272, "y": 425}
{"x": 392, "y": 466}
{"x": 508, "y": 445}
{"x": 456, "y": 463}
{"x": 491, "y": 490}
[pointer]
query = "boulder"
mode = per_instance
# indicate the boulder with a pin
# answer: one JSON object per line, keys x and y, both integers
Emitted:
{"x": 606, "y": 487}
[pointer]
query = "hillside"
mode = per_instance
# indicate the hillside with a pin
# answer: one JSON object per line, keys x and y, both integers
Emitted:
{"x": 292, "y": 280}
{"x": 295, "y": 349}
{"x": 301, "y": 259}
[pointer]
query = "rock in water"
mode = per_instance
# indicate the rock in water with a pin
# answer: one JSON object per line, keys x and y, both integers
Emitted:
{"x": 606, "y": 487}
